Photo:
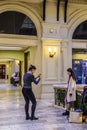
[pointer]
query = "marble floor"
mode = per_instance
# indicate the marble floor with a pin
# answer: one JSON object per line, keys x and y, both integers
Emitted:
{"x": 12, "y": 116}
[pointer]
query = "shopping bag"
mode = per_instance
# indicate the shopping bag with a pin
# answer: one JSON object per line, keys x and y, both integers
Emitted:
{"x": 75, "y": 117}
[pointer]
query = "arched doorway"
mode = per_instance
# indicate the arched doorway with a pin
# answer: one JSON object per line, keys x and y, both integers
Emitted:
{"x": 79, "y": 62}
{"x": 24, "y": 35}
{"x": 18, "y": 24}
{"x": 13, "y": 23}
{"x": 80, "y": 32}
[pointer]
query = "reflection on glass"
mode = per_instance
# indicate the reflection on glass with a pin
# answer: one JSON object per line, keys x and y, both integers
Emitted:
{"x": 13, "y": 22}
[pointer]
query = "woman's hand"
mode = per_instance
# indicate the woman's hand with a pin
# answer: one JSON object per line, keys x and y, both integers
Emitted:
{"x": 39, "y": 76}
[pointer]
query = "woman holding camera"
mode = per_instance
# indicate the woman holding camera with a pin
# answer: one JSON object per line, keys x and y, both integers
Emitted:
{"x": 28, "y": 93}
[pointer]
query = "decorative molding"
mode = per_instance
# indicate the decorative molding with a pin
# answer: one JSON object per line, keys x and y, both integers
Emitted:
{"x": 28, "y": 1}
{"x": 51, "y": 31}
{"x": 18, "y": 36}
{"x": 75, "y": 21}
{"x": 78, "y": 1}
{"x": 55, "y": 31}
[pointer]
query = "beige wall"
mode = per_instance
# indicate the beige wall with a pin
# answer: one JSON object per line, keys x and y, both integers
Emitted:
{"x": 18, "y": 55}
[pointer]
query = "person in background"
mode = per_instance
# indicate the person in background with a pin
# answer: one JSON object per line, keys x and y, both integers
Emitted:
{"x": 85, "y": 78}
{"x": 15, "y": 78}
{"x": 71, "y": 91}
{"x": 28, "y": 93}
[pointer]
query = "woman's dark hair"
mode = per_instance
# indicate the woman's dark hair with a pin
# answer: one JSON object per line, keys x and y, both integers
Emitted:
{"x": 72, "y": 74}
{"x": 32, "y": 67}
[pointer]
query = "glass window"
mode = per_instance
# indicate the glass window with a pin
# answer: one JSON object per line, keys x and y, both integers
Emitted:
{"x": 12, "y": 22}
{"x": 81, "y": 31}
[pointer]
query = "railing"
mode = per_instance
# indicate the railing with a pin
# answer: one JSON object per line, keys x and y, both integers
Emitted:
{"x": 60, "y": 99}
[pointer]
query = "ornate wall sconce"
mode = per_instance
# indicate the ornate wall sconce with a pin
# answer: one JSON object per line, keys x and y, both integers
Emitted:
{"x": 52, "y": 52}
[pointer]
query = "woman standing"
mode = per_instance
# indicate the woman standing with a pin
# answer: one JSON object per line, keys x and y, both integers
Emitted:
{"x": 28, "y": 93}
{"x": 71, "y": 91}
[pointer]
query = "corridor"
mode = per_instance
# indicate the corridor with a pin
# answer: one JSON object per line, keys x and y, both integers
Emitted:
{"x": 12, "y": 116}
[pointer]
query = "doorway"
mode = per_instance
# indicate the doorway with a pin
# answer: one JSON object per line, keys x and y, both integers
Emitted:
{"x": 2, "y": 71}
{"x": 26, "y": 61}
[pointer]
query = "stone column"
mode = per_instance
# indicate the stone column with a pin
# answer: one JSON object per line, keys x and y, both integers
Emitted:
{"x": 51, "y": 65}
{"x": 64, "y": 61}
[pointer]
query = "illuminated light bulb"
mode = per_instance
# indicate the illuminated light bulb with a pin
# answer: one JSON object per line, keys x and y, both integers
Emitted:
{"x": 49, "y": 49}
{"x": 55, "y": 50}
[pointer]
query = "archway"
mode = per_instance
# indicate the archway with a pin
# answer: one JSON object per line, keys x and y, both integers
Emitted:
{"x": 81, "y": 31}
{"x": 24, "y": 43}
{"x": 75, "y": 21}
{"x": 32, "y": 16}
{"x": 79, "y": 55}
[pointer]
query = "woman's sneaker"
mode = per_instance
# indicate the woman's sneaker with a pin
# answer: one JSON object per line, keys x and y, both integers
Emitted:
{"x": 34, "y": 118}
{"x": 28, "y": 117}
{"x": 66, "y": 113}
